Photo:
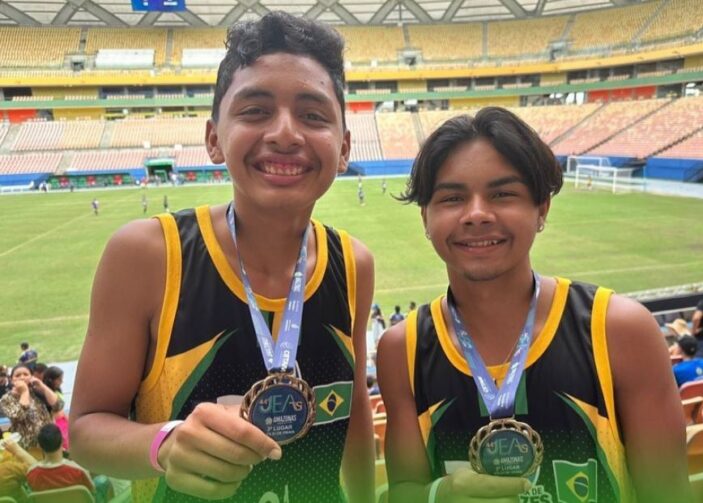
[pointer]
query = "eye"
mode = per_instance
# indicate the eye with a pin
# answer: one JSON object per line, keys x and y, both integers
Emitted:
{"x": 503, "y": 194}
{"x": 253, "y": 111}
{"x": 314, "y": 117}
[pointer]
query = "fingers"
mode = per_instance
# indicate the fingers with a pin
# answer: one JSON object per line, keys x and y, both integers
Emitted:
{"x": 213, "y": 451}
{"x": 468, "y": 483}
{"x": 226, "y": 421}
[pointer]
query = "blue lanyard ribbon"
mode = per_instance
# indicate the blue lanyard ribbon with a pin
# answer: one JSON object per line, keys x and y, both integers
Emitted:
{"x": 499, "y": 402}
{"x": 281, "y": 355}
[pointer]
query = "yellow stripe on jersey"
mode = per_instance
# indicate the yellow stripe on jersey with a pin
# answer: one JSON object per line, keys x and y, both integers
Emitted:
{"x": 609, "y": 444}
{"x": 350, "y": 270}
{"x": 600, "y": 355}
{"x": 156, "y": 404}
{"x": 346, "y": 341}
{"x": 425, "y": 421}
{"x": 172, "y": 290}
{"x": 537, "y": 349}
{"x": 411, "y": 346}
{"x": 232, "y": 280}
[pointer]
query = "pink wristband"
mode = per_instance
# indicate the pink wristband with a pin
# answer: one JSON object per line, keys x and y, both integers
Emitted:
{"x": 159, "y": 439}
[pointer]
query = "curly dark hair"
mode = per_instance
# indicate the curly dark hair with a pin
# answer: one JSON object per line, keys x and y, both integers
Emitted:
{"x": 281, "y": 32}
{"x": 517, "y": 142}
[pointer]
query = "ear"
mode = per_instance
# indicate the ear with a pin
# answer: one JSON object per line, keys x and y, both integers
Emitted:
{"x": 212, "y": 143}
{"x": 344, "y": 153}
{"x": 544, "y": 210}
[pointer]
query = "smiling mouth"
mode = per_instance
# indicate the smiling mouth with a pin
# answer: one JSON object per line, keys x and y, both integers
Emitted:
{"x": 281, "y": 169}
{"x": 480, "y": 244}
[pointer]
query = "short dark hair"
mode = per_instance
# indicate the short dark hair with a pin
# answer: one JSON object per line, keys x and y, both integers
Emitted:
{"x": 688, "y": 344}
{"x": 24, "y": 345}
{"x": 50, "y": 438}
{"x": 51, "y": 374}
{"x": 517, "y": 142}
{"x": 280, "y": 32}
{"x": 39, "y": 368}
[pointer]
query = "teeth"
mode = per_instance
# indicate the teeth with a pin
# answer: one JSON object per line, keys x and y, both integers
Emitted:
{"x": 482, "y": 244}
{"x": 274, "y": 168}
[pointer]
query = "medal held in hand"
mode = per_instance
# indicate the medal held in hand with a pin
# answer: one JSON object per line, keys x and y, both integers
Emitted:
{"x": 282, "y": 405}
{"x": 504, "y": 447}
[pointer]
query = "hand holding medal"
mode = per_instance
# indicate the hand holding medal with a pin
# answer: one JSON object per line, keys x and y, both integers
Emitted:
{"x": 281, "y": 405}
{"x": 504, "y": 447}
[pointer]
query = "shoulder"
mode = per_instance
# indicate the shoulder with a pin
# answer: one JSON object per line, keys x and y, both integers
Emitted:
{"x": 629, "y": 321}
{"x": 391, "y": 346}
{"x": 362, "y": 256}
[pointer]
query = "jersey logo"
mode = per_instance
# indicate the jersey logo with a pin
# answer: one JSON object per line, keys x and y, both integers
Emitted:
{"x": 333, "y": 401}
{"x": 576, "y": 482}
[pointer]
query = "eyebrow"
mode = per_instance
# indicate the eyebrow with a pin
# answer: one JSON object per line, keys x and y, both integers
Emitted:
{"x": 248, "y": 93}
{"x": 499, "y": 182}
{"x": 505, "y": 181}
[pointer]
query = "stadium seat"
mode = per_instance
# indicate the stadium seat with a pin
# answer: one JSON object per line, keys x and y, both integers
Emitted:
{"x": 72, "y": 494}
{"x": 692, "y": 398}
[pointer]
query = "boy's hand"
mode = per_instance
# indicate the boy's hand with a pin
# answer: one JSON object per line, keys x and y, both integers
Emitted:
{"x": 467, "y": 486}
{"x": 213, "y": 451}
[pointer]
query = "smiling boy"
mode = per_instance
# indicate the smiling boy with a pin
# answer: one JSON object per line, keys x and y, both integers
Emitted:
{"x": 204, "y": 308}
{"x": 520, "y": 387}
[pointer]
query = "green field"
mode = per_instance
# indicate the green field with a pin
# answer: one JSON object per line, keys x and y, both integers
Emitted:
{"x": 50, "y": 245}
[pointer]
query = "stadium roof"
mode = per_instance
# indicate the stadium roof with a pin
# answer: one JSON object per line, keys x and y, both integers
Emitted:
{"x": 119, "y": 13}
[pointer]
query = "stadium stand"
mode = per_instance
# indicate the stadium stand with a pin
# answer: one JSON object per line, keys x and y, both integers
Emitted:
{"x": 663, "y": 128}
{"x": 192, "y": 157}
{"x": 364, "y": 44}
{"x": 609, "y": 27}
{"x": 45, "y": 162}
{"x": 366, "y": 145}
{"x": 107, "y": 160}
{"x": 553, "y": 121}
{"x": 514, "y": 38}
{"x": 690, "y": 148}
{"x": 397, "y": 135}
{"x": 196, "y": 38}
{"x": 135, "y": 38}
{"x": 158, "y": 132}
{"x": 4, "y": 128}
{"x": 36, "y": 47}
{"x": 610, "y": 120}
{"x": 677, "y": 18}
{"x": 51, "y": 135}
{"x": 457, "y": 42}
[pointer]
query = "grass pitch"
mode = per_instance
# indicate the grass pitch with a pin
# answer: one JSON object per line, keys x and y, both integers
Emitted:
{"x": 50, "y": 245}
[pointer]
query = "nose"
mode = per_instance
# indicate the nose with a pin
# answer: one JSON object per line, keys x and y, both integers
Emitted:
{"x": 284, "y": 131}
{"x": 478, "y": 211}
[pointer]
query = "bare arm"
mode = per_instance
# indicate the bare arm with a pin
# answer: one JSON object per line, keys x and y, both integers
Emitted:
{"x": 357, "y": 464}
{"x": 409, "y": 474}
{"x": 125, "y": 307}
{"x": 16, "y": 450}
{"x": 697, "y": 321}
{"x": 648, "y": 404}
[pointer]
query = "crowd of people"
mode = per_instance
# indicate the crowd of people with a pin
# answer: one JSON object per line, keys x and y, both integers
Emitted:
{"x": 34, "y": 451}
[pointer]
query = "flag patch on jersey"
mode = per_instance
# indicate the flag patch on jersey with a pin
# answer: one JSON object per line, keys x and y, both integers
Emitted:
{"x": 333, "y": 401}
{"x": 576, "y": 482}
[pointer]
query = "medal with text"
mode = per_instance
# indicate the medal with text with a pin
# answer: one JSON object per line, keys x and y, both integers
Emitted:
{"x": 282, "y": 405}
{"x": 504, "y": 447}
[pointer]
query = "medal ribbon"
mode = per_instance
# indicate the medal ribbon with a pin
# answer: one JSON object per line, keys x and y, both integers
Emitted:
{"x": 281, "y": 355}
{"x": 499, "y": 402}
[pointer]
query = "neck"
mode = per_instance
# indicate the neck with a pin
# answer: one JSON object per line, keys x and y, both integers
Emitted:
{"x": 493, "y": 311}
{"x": 493, "y": 297}
{"x": 269, "y": 245}
{"x": 53, "y": 457}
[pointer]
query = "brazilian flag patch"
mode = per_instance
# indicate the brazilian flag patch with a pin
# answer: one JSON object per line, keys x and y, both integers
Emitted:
{"x": 333, "y": 401}
{"x": 576, "y": 482}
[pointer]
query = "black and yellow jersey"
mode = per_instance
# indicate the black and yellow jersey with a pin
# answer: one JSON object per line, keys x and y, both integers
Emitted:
{"x": 207, "y": 350}
{"x": 566, "y": 394}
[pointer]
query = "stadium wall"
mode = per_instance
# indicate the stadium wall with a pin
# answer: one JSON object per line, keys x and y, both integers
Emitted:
{"x": 381, "y": 168}
{"x": 680, "y": 170}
